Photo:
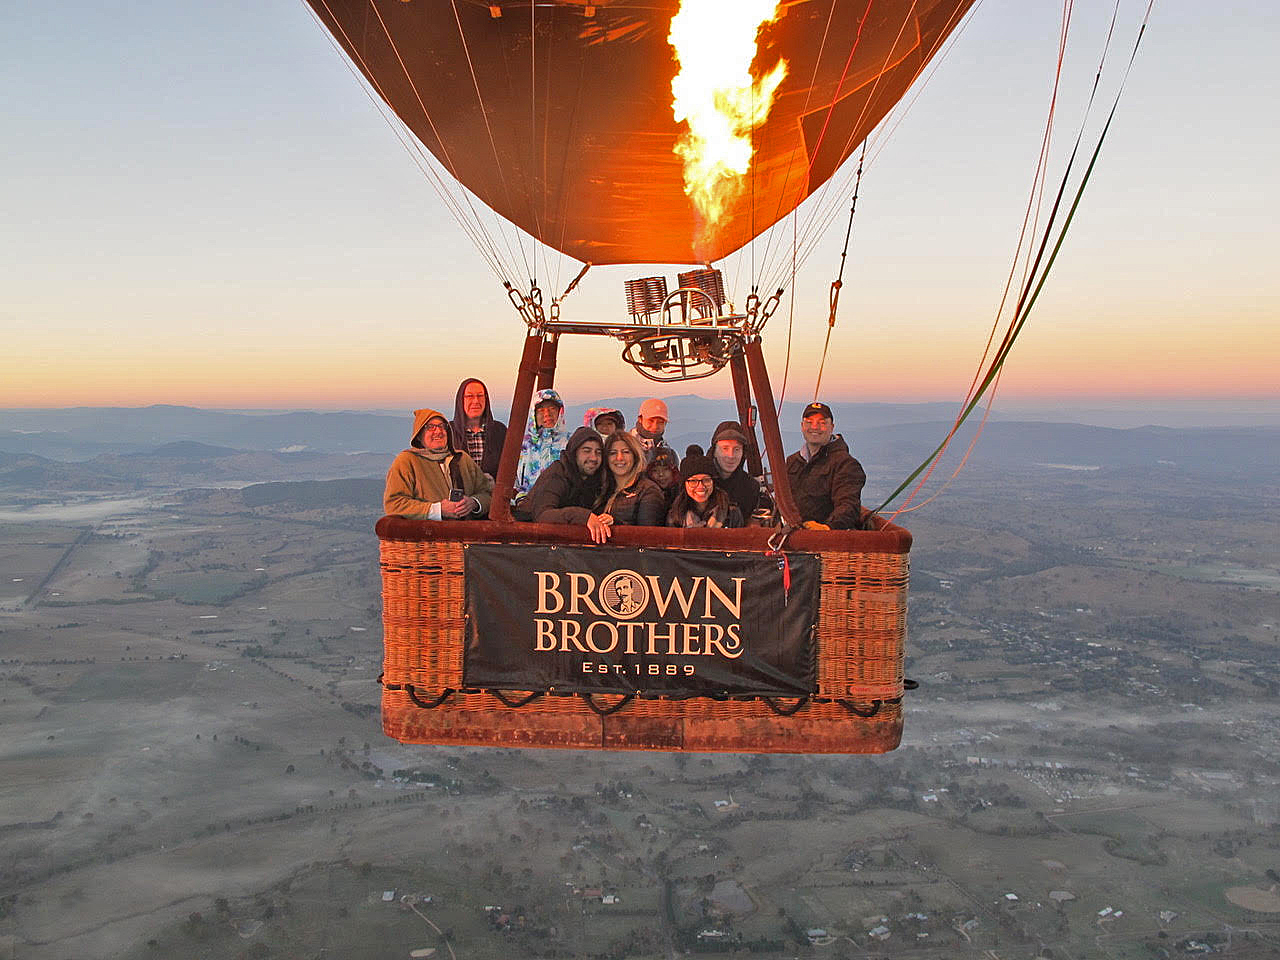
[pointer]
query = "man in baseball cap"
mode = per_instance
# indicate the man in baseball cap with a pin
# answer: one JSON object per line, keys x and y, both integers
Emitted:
{"x": 650, "y": 425}
{"x": 826, "y": 481}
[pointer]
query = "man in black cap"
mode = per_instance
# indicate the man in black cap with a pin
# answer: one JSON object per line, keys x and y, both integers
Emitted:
{"x": 826, "y": 481}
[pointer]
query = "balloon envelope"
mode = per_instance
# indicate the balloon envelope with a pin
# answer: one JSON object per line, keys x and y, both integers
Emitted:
{"x": 559, "y": 117}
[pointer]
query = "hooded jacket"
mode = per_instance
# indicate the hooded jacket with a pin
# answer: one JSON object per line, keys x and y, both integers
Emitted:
{"x": 417, "y": 481}
{"x": 634, "y": 500}
{"x": 595, "y": 413}
{"x": 828, "y": 487}
{"x": 666, "y": 457}
{"x": 742, "y": 488}
{"x": 495, "y": 431}
{"x": 562, "y": 494}
{"x": 542, "y": 446}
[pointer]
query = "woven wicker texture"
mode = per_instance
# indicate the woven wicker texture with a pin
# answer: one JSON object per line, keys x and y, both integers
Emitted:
{"x": 861, "y": 635}
{"x": 481, "y": 720}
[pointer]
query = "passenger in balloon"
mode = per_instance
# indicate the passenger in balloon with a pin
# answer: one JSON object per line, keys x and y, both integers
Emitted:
{"x": 650, "y": 425}
{"x": 664, "y": 470}
{"x": 700, "y": 504}
{"x": 568, "y": 490}
{"x": 474, "y": 428}
{"x": 604, "y": 420}
{"x": 432, "y": 480}
{"x": 825, "y": 480}
{"x": 728, "y": 452}
{"x": 544, "y": 439}
{"x": 630, "y": 498}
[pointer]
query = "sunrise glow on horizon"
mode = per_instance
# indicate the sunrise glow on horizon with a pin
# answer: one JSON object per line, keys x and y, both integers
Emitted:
{"x": 261, "y": 241}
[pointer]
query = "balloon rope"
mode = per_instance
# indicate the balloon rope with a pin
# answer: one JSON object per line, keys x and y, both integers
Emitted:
{"x": 562, "y": 201}
{"x": 1031, "y": 216}
{"x": 814, "y": 226}
{"x": 791, "y": 316}
{"x": 418, "y": 96}
{"x": 828, "y": 196}
{"x": 474, "y": 226}
{"x": 422, "y": 105}
{"x": 1034, "y": 201}
{"x": 533, "y": 142}
{"x": 838, "y": 282}
{"x": 835, "y": 97}
{"x": 493, "y": 144}
{"x": 786, "y": 178}
{"x": 1031, "y": 291}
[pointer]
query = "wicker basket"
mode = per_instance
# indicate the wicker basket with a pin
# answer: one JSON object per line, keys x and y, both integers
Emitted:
{"x": 861, "y": 632}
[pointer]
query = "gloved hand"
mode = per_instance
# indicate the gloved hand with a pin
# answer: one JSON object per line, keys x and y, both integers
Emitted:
{"x": 815, "y": 525}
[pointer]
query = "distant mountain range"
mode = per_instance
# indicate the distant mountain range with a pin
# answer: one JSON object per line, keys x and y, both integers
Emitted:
{"x": 90, "y": 448}
{"x": 182, "y": 464}
{"x": 81, "y": 433}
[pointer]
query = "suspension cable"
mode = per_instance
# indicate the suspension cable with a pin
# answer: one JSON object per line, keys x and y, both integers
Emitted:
{"x": 1038, "y": 276}
{"x": 422, "y": 105}
{"x": 826, "y": 197}
{"x": 810, "y": 220}
{"x": 791, "y": 316}
{"x": 808, "y": 96}
{"x": 1035, "y": 200}
{"x": 473, "y": 226}
{"x": 838, "y": 282}
{"x": 493, "y": 144}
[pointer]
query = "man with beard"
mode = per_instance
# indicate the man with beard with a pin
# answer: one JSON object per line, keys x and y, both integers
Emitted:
{"x": 567, "y": 490}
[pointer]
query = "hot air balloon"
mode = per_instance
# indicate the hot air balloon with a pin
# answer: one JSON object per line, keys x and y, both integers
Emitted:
{"x": 558, "y": 115}
{"x": 592, "y": 127}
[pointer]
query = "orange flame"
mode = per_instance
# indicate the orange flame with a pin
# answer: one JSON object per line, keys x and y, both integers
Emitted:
{"x": 715, "y": 94}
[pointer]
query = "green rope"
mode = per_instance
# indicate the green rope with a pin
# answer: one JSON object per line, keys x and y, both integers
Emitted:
{"x": 1023, "y": 312}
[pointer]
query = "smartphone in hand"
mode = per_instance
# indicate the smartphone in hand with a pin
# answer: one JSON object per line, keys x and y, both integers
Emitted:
{"x": 456, "y": 494}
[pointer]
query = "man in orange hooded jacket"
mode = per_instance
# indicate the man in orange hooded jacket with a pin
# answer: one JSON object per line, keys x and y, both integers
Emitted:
{"x": 433, "y": 481}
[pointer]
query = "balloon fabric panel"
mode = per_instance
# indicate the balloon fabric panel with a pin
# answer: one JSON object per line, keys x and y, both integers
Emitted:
{"x": 562, "y": 122}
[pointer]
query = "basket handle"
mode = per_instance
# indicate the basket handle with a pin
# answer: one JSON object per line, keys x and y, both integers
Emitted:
{"x": 425, "y": 704}
{"x": 589, "y": 699}
{"x": 785, "y": 711}
{"x": 534, "y": 695}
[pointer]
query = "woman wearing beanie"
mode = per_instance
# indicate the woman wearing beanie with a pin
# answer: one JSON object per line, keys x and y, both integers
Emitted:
{"x": 699, "y": 503}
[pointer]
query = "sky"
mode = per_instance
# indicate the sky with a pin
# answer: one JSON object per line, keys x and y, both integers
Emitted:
{"x": 202, "y": 206}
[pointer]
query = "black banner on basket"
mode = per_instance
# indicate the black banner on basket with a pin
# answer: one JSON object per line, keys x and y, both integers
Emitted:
{"x": 611, "y": 620}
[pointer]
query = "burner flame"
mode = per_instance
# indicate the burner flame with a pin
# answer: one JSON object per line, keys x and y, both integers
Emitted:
{"x": 715, "y": 94}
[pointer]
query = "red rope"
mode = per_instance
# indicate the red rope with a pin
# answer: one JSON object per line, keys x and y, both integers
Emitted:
{"x": 831, "y": 107}
{"x": 1033, "y": 201}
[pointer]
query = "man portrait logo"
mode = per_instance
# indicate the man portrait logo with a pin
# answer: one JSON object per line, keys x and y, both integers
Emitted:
{"x": 624, "y": 594}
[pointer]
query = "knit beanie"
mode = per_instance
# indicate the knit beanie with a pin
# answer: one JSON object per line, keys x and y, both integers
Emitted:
{"x": 695, "y": 464}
